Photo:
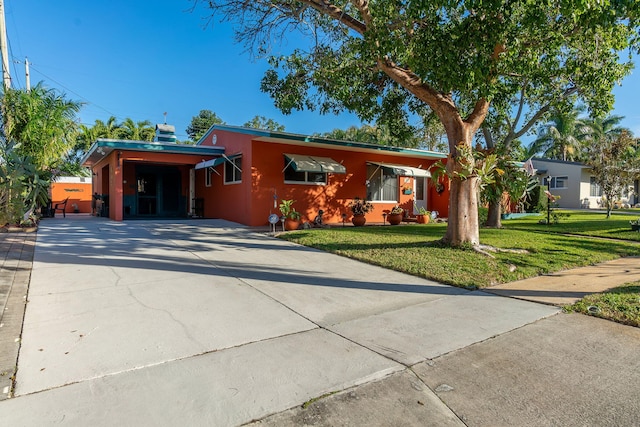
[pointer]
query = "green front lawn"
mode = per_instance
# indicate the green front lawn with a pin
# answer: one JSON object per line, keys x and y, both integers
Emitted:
{"x": 411, "y": 248}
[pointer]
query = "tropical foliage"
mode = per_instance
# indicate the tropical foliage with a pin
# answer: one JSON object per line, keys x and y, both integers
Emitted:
{"x": 22, "y": 186}
{"x": 42, "y": 121}
{"x": 615, "y": 163}
{"x": 38, "y": 129}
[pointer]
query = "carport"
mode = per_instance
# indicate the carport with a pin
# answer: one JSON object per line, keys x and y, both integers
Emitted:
{"x": 139, "y": 179}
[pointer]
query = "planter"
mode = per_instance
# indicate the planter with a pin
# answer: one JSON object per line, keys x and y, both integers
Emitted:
{"x": 291, "y": 224}
{"x": 394, "y": 219}
{"x": 422, "y": 219}
{"x": 358, "y": 220}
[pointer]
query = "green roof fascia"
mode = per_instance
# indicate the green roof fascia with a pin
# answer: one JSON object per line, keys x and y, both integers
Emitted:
{"x": 317, "y": 140}
{"x": 127, "y": 145}
{"x": 158, "y": 146}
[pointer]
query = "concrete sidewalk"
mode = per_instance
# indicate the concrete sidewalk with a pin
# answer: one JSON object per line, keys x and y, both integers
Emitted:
{"x": 208, "y": 323}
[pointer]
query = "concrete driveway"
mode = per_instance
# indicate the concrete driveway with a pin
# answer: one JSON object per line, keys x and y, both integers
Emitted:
{"x": 208, "y": 323}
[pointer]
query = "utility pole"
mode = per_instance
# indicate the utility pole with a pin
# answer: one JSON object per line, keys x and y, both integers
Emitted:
{"x": 6, "y": 78}
{"x": 26, "y": 72}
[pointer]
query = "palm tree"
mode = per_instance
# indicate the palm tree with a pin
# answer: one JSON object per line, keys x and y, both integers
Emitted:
{"x": 108, "y": 129}
{"x": 42, "y": 121}
{"x": 136, "y": 131}
{"x": 561, "y": 137}
{"x": 600, "y": 129}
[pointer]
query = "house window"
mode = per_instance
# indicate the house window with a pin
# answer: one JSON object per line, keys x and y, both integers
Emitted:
{"x": 383, "y": 185}
{"x": 595, "y": 189}
{"x": 207, "y": 177}
{"x": 292, "y": 176}
{"x": 557, "y": 182}
{"x": 233, "y": 170}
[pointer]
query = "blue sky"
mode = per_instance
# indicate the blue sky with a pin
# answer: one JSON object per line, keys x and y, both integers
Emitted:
{"x": 140, "y": 59}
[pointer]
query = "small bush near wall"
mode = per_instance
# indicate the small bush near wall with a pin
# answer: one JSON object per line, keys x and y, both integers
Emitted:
{"x": 537, "y": 201}
{"x": 483, "y": 214}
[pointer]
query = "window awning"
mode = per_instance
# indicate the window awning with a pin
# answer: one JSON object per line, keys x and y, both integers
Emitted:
{"x": 303, "y": 163}
{"x": 210, "y": 163}
{"x": 402, "y": 170}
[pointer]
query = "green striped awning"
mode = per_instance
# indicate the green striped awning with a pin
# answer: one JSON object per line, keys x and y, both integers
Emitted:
{"x": 304, "y": 163}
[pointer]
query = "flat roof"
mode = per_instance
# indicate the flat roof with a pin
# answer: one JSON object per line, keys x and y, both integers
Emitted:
{"x": 306, "y": 140}
{"x": 103, "y": 147}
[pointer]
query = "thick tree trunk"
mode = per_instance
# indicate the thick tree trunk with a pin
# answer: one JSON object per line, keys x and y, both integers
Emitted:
{"x": 463, "y": 227}
{"x": 494, "y": 217}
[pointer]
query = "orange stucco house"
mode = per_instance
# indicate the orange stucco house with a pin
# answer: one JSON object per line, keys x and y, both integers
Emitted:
{"x": 242, "y": 174}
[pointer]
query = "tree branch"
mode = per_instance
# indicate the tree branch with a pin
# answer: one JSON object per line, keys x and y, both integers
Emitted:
{"x": 328, "y": 8}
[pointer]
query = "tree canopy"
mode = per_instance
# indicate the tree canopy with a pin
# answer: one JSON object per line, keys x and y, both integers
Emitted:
{"x": 615, "y": 164}
{"x": 389, "y": 61}
{"x": 261, "y": 122}
{"x": 201, "y": 123}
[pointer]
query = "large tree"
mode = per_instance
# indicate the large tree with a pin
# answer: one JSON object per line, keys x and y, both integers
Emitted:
{"x": 615, "y": 163}
{"x": 386, "y": 60}
{"x": 201, "y": 123}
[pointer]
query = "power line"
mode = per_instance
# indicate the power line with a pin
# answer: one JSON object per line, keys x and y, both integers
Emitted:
{"x": 72, "y": 91}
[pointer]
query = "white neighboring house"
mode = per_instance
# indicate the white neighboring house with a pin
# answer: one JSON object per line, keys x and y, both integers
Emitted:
{"x": 575, "y": 184}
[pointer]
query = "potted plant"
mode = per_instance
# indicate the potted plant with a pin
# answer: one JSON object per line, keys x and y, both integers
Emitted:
{"x": 423, "y": 216}
{"x": 290, "y": 215}
{"x": 359, "y": 207}
{"x": 635, "y": 224}
{"x": 395, "y": 215}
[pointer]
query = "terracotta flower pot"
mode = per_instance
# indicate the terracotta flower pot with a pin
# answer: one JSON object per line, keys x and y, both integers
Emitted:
{"x": 394, "y": 219}
{"x": 358, "y": 220}
{"x": 422, "y": 219}
{"x": 291, "y": 224}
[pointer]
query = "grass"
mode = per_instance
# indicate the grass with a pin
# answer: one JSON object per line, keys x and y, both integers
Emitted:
{"x": 582, "y": 223}
{"x": 581, "y": 239}
{"x": 411, "y": 248}
{"x": 621, "y": 305}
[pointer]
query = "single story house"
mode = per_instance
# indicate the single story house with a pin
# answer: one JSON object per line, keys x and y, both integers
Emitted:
{"x": 242, "y": 174}
{"x": 575, "y": 184}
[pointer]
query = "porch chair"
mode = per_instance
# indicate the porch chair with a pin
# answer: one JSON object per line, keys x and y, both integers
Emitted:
{"x": 62, "y": 207}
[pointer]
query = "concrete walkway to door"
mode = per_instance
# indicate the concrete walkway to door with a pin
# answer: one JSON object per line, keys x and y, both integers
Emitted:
{"x": 208, "y": 323}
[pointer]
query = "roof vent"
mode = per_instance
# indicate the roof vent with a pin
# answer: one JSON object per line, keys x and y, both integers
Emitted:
{"x": 165, "y": 133}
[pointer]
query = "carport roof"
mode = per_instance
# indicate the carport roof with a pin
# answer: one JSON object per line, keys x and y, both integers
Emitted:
{"x": 103, "y": 147}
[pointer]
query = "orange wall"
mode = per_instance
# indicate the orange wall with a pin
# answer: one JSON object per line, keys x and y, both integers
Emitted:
{"x": 78, "y": 193}
{"x": 120, "y": 167}
{"x": 251, "y": 201}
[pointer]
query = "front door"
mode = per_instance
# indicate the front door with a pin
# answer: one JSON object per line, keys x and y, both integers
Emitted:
{"x": 420, "y": 193}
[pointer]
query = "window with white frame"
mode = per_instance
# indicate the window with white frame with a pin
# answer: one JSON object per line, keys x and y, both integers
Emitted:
{"x": 594, "y": 188}
{"x": 293, "y": 176}
{"x": 233, "y": 170}
{"x": 382, "y": 185}
{"x": 207, "y": 177}
{"x": 557, "y": 182}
